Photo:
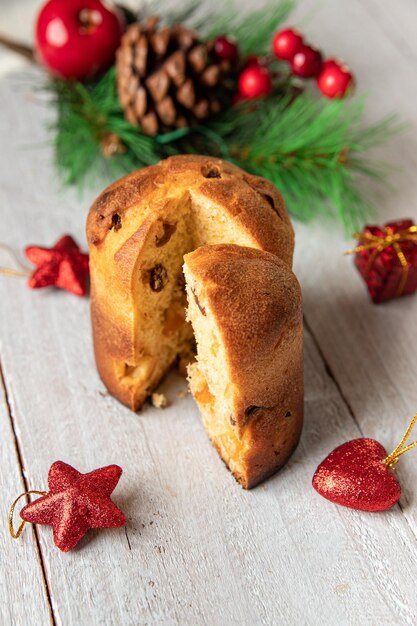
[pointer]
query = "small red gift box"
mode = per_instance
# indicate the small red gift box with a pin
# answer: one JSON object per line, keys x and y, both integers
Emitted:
{"x": 386, "y": 257}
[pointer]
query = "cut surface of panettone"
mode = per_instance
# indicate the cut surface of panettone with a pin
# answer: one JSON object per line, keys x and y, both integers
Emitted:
{"x": 139, "y": 230}
{"x": 246, "y": 312}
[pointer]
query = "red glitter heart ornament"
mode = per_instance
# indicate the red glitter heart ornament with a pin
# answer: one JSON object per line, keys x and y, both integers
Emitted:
{"x": 76, "y": 502}
{"x": 355, "y": 475}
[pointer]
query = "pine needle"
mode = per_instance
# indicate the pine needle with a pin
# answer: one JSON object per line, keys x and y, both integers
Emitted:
{"x": 252, "y": 40}
{"x": 314, "y": 150}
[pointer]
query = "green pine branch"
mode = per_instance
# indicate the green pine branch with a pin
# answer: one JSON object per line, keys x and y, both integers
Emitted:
{"x": 316, "y": 151}
{"x": 254, "y": 30}
{"x": 313, "y": 150}
{"x": 85, "y": 117}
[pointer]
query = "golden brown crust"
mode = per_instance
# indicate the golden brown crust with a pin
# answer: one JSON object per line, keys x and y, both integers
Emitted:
{"x": 113, "y": 314}
{"x": 122, "y": 219}
{"x": 104, "y": 334}
{"x": 252, "y": 201}
{"x": 113, "y": 318}
{"x": 256, "y": 301}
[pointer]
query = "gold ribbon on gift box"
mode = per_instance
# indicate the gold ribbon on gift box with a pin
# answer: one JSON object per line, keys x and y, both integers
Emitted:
{"x": 378, "y": 243}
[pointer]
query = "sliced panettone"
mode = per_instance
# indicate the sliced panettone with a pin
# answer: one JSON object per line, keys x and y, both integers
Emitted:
{"x": 246, "y": 312}
{"x": 139, "y": 229}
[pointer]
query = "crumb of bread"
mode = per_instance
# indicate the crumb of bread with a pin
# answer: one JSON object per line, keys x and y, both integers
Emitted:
{"x": 182, "y": 394}
{"x": 159, "y": 400}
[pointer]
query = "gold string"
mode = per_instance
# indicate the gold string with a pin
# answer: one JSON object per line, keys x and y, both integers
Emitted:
{"x": 9, "y": 272}
{"x": 23, "y": 271}
{"x": 19, "y": 531}
{"x": 378, "y": 243}
{"x": 392, "y": 459}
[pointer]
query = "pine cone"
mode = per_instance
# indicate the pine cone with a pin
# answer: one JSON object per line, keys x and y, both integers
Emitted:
{"x": 167, "y": 78}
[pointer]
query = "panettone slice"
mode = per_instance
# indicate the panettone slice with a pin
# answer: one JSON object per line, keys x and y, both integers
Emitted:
{"x": 246, "y": 312}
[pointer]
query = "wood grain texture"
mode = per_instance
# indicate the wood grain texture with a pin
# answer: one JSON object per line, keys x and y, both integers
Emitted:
{"x": 197, "y": 549}
{"x": 19, "y": 560}
{"x": 371, "y": 349}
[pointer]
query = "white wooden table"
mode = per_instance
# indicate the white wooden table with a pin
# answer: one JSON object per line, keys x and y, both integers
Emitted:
{"x": 197, "y": 549}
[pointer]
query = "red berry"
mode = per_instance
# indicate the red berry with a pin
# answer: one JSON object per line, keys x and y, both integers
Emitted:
{"x": 329, "y": 63}
{"x": 306, "y": 62}
{"x": 253, "y": 61}
{"x": 335, "y": 79}
{"x": 254, "y": 82}
{"x": 78, "y": 38}
{"x": 226, "y": 49}
{"x": 286, "y": 43}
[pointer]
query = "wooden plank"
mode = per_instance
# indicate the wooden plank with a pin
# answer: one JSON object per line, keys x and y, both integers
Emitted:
{"x": 199, "y": 550}
{"x": 22, "y": 588}
{"x": 370, "y": 349}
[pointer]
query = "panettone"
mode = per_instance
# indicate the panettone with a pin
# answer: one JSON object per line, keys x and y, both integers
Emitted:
{"x": 246, "y": 312}
{"x": 139, "y": 230}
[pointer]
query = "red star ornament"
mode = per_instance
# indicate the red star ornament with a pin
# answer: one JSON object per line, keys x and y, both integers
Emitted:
{"x": 76, "y": 502}
{"x": 64, "y": 266}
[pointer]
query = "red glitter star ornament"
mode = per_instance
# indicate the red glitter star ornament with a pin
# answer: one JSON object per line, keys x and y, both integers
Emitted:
{"x": 76, "y": 502}
{"x": 64, "y": 266}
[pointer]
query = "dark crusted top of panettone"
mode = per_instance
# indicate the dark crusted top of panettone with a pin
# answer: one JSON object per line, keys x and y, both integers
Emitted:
{"x": 253, "y": 200}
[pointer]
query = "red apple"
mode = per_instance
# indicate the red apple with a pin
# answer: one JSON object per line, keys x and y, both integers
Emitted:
{"x": 78, "y": 38}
